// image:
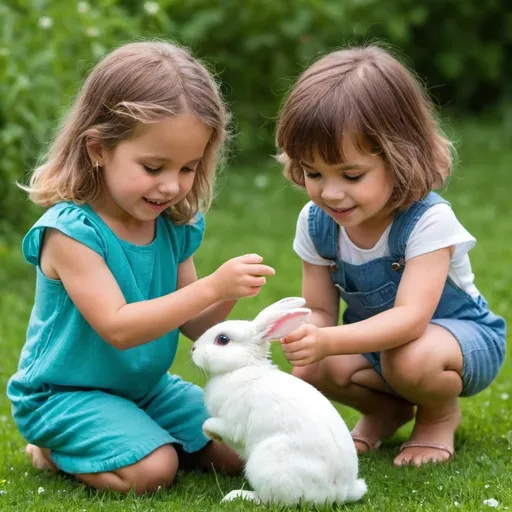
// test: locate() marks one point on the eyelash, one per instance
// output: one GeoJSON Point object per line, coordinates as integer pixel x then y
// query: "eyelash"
{"type": "Point", "coordinates": [314, 175]}
{"type": "Point", "coordinates": [151, 170]}
{"type": "Point", "coordinates": [353, 178]}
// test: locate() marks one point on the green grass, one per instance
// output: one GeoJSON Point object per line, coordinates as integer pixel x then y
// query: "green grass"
{"type": "Point", "coordinates": [256, 211]}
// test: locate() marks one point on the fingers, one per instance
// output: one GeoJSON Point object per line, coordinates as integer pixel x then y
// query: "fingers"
{"type": "Point", "coordinates": [299, 357]}
{"type": "Point", "coordinates": [303, 361]}
{"type": "Point", "coordinates": [290, 348]}
{"type": "Point", "coordinates": [256, 281]}
{"type": "Point", "coordinates": [295, 335]}
{"type": "Point", "coordinates": [261, 270]}
{"type": "Point", "coordinates": [250, 258]}
{"type": "Point", "coordinates": [256, 269]}
{"type": "Point", "coordinates": [242, 276]}
{"type": "Point", "coordinates": [254, 291]}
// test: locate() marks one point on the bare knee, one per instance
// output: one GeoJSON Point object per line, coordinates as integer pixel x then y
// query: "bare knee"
{"type": "Point", "coordinates": [309, 373]}
{"type": "Point", "coordinates": [404, 367]}
{"type": "Point", "coordinates": [416, 366]}
{"type": "Point", "coordinates": [217, 456]}
{"type": "Point", "coordinates": [332, 372]}
{"type": "Point", "coordinates": [158, 469]}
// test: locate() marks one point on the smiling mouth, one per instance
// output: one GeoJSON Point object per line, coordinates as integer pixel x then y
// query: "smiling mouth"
{"type": "Point", "coordinates": [156, 202]}
{"type": "Point", "coordinates": [341, 210]}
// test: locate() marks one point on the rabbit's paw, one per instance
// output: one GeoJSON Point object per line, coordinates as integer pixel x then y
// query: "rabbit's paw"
{"type": "Point", "coordinates": [212, 436]}
{"type": "Point", "coordinates": [210, 429]}
{"type": "Point", "coordinates": [240, 494]}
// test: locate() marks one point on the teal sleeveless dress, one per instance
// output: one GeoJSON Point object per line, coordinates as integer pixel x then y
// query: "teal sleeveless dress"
{"type": "Point", "coordinates": [95, 407]}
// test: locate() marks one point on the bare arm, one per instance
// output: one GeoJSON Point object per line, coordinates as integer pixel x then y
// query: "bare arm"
{"type": "Point", "coordinates": [321, 295]}
{"type": "Point", "coordinates": [214, 314]}
{"type": "Point", "coordinates": [96, 294]}
{"type": "Point", "coordinates": [418, 295]}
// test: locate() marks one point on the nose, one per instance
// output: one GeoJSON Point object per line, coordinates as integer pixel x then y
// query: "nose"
{"type": "Point", "coordinates": [333, 193]}
{"type": "Point", "coordinates": [170, 184]}
{"type": "Point", "coordinates": [193, 348]}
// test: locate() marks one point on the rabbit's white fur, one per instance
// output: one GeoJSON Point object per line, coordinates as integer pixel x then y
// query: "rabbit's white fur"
{"type": "Point", "coordinates": [296, 446]}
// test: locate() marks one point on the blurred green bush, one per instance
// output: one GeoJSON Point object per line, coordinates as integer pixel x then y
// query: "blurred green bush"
{"type": "Point", "coordinates": [256, 47]}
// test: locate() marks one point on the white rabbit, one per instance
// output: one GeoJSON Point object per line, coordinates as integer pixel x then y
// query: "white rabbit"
{"type": "Point", "coordinates": [296, 446]}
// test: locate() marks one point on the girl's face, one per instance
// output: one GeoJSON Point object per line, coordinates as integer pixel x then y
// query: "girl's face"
{"type": "Point", "coordinates": [155, 168]}
{"type": "Point", "coordinates": [355, 193]}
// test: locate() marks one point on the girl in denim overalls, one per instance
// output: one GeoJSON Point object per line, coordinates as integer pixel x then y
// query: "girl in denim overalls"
{"type": "Point", "coordinates": [358, 133]}
{"type": "Point", "coordinates": [116, 280]}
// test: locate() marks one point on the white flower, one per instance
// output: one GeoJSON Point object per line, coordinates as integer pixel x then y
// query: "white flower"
{"type": "Point", "coordinates": [261, 181]}
{"type": "Point", "coordinates": [2, 492]}
{"type": "Point", "coordinates": [456, 504]}
{"type": "Point", "coordinates": [491, 503]}
{"type": "Point", "coordinates": [504, 396]}
{"type": "Point", "coordinates": [83, 7]}
{"type": "Point", "coordinates": [40, 490]}
{"type": "Point", "coordinates": [486, 486]}
{"type": "Point", "coordinates": [151, 8]}
{"type": "Point", "coordinates": [92, 32]}
{"type": "Point", "coordinates": [45, 22]}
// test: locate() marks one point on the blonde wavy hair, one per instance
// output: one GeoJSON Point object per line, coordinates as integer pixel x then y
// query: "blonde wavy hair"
{"type": "Point", "coordinates": [141, 82]}
{"type": "Point", "coordinates": [366, 93]}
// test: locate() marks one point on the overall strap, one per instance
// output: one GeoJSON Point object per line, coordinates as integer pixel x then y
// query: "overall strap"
{"type": "Point", "coordinates": [405, 221]}
{"type": "Point", "coordinates": [323, 232]}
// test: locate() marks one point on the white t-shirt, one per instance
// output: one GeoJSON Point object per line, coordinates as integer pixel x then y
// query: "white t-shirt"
{"type": "Point", "coordinates": [437, 228]}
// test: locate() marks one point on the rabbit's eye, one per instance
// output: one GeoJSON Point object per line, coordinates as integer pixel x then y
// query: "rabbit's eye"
{"type": "Point", "coordinates": [222, 339]}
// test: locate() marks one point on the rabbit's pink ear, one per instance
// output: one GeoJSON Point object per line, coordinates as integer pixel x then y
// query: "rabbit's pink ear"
{"type": "Point", "coordinates": [284, 324]}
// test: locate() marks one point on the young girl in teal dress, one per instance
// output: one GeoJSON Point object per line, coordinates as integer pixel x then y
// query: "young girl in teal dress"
{"type": "Point", "coordinates": [124, 183]}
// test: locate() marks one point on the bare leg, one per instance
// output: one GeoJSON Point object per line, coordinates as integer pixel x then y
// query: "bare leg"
{"type": "Point", "coordinates": [158, 469]}
{"type": "Point", "coordinates": [41, 458]}
{"type": "Point", "coordinates": [351, 380]}
{"type": "Point", "coordinates": [215, 456]}
{"type": "Point", "coordinates": [431, 379]}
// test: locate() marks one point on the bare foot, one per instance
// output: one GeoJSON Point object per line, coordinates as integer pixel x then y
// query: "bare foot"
{"type": "Point", "coordinates": [372, 428]}
{"type": "Point", "coordinates": [432, 437]}
{"type": "Point", "coordinates": [40, 457]}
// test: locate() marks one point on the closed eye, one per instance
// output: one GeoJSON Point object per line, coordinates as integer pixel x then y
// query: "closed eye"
{"type": "Point", "coordinates": [187, 170]}
{"type": "Point", "coordinates": [310, 174]}
{"type": "Point", "coordinates": [152, 170]}
{"type": "Point", "coordinates": [349, 177]}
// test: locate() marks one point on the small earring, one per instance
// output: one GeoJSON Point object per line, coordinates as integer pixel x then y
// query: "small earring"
{"type": "Point", "coordinates": [97, 166]}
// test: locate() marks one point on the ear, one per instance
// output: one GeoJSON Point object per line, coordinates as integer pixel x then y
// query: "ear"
{"type": "Point", "coordinates": [281, 324]}
{"type": "Point", "coordinates": [280, 307]}
{"type": "Point", "coordinates": [94, 146]}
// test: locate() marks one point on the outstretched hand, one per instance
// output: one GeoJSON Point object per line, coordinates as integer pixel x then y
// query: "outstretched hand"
{"type": "Point", "coordinates": [240, 277]}
{"type": "Point", "coordinates": [305, 345]}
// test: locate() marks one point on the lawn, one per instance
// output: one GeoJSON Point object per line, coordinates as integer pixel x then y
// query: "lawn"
{"type": "Point", "coordinates": [255, 211]}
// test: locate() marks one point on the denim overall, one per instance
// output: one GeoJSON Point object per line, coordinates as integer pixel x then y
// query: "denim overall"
{"type": "Point", "coordinates": [371, 288]}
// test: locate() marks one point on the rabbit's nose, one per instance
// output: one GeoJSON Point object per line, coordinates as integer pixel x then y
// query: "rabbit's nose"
{"type": "Point", "coordinates": [193, 348]}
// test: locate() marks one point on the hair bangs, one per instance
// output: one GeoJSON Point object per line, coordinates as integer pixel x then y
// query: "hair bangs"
{"type": "Point", "coordinates": [318, 128]}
